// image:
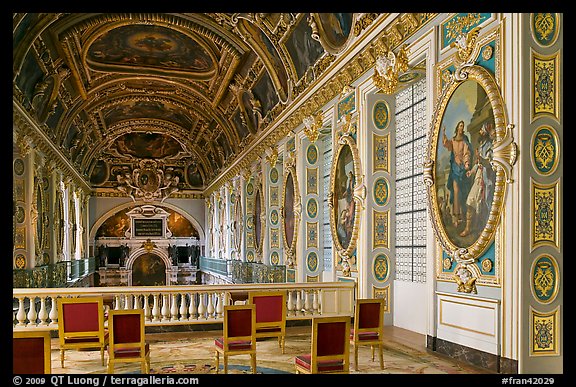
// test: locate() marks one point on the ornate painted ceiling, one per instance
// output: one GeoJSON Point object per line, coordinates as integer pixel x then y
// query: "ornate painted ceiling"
{"type": "Point", "coordinates": [181, 94]}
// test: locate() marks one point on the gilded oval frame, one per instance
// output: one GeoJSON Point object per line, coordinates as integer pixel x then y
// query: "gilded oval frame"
{"type": "Point", "coordinates": [259, 219]}
{"type": "Point", "coordinates": [471, 252]}
{"type": "Point", "coordinates": [290, 249]}
{"type": "Point", "coordinates": [345, 141]}
{"type": "Point", "coordinates": [238, 231]}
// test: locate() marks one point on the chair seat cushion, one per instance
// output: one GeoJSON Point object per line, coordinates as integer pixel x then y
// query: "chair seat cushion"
{"type": "Point", "coordinates": [86, 339]}
{"type": "Point", "coordinates": [234, 345]}
{"type": "Point", "coordinates": [268, 330]}
{"type": "Point", "coordinates": [364, 335]}
{"type": "Point", "coordinates": [131, 352]}
{"type": "Point", "coordinates": [305, 361]}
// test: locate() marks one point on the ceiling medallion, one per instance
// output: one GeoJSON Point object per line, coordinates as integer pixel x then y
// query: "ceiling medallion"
{"type": "Point", "coordinates": [388, 67]}
{"type": "Point", "coordinates": [148, 182]}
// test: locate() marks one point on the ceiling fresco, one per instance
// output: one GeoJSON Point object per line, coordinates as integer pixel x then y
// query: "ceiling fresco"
{"type": "Point", "coordinates": [184, 94]}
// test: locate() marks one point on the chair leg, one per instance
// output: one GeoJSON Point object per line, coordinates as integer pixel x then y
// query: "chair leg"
{"type": "Point", "coordinates": [356, 357]}
{"type": "Point", "coordinates": [102, 355]}
{"type": "Point", "coordinates": [225, 364]}
{"type": "Point", "coordinates": [217, 358]}
{"type": "Point", "coordinates": [372, 348]}
{"type": "Point", "coordinates": [381, 356]}
{"type": "Point", "coordinates": [282, 341]}
{"type": "Point", "coordinates": [253, 359]}
{"type": "Point", "coordinates": [110, 366]}
{"type": "Point", "coordinates": [62, 358]}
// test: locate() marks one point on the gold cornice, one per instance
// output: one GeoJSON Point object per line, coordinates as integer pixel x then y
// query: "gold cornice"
{"type": "Point", "coordinates": [292, 116]}
{"type": "Point", "coordinates": [24, 125]}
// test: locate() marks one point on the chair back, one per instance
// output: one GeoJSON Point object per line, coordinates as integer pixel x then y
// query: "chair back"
{"type": "Point", "coordinates": [330, 344]}
{"type": "Point", "coordinates": [270, 308]}
{"type": "Point", "coordinates": [31, 352]}
{"type": "Point", "coordinates": [80, 317]}
{"type": "Point", "coordinates": [369, 316]}
{"type": "Point", "coordinates": [127, 329]}
{"type": "Point", "coordinates": [239, 325]}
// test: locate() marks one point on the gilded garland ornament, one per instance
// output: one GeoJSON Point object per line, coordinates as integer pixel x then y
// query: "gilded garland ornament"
{"type": "Point", "coordinates": [469, 159]}
{"type": "Point", "coordinates": [290, 211]}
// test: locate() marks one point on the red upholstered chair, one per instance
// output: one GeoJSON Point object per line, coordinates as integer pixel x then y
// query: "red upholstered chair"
{"type": "Point", "coordinates": [270, 314]}
{"type": "Point", "coordinates": [81, 324]}
{"type": "Point", "coordinates": [330, 351]}
{"type": "Point", "coordinates": [31, 352]}
{"type": "Point", "coordinates": [368, 327]}
{"type": "Point", "coordinates": [239, 327]}
{"type": "Point", "coordinates": [128, 339]}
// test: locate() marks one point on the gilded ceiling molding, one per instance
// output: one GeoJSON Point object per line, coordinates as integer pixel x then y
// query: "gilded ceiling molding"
{"type": "Point", "coordinates": [363, 60]}
{"type": "Point", "coordinates": [27, 128]}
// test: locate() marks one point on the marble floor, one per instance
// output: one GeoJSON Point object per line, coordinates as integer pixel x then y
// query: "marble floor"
{"type": "Point", "coordinates": [192, 352]}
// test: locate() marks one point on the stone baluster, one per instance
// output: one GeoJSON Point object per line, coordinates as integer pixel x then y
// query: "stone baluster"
{"type": "Point", "coordinates": [201, 306]}
{"type": "Point", "coordinates": [307, 302]}
{"type": "Point", "coordinates": [183, 308]}
{"type": "Point", "coordinates": [165, 307]}
{"type": "Point", "coordinates": [136, 303]}
{"type": "Point", "coordinates": [221, 298]}
{"type": "Point", "coordinates": [117, 302]}
{"type": "Point", "coordinates": [156, 309]}
{"type": "Point", "coordinates": [147, 312]}
{"type": "Point", "coordinates": [43, 314]}
{"type": "Point", "coordinates": [32, 311]}
{"type": "Point", "coordinates": [174, 308]}
{"type": "Point", "coordinates": [290, 302]}
{"type": "Point", "coordinates": [192, 310]}
{"type": "Point", "coordinates": [210, 307]}
{"type": "Point", "coordinates": [53, 311]}
{"type": "Point", "coordinates": [21, 315]}
{"type": "Point", "coordinates": [298, 310]}
{"type": "Point", "coordinates": [315, 306]}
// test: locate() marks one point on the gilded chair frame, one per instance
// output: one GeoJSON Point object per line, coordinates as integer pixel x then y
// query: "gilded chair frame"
{"type": "Point", "coordinates": [229, 341]}
{"type": "Point", "coordinates": [317, 359]}
{"type": "Point", "coordinates": [82, 339]}
{"type": "Point", "coordinates": [372, 335]}
{"type": "Point", "coordinates": [275, 328]}
{"type": "Point", "coordinates": [138, 347]}
{"type": "Point", "coordinates": [47, 350]}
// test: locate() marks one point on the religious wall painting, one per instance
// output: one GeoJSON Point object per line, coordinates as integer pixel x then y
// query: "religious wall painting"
{"type": "Point", "coordinates": [545, 150]}
{"type": "Point", "coordinates": [159, 50]}
{"type": "Point", "coordinates": [267, 51]}
{"type": "Point", "coordinates": [148, 270]}
{"type": "Point", "coordinates": [290, 218]}
{"type": "Point", "coordinates": [240, 124]}
{"type": "Point", "coordinates": [302, 48]}
{"type": "Point", "coordinates": [100, 173]}
{"type": "Point", "coordinates": [257, 219]}
{"type": "Point", "coordinates": [381, 156]}
{"type": "Point", "coordinates": [180, 226]}
{"type": "Point", "coordinates": [194, 176]}
{"type": "Point", "coordinates": [115, 226]}
{"type": "Point", "coordinates": [545, 281]}
{"type": "Point", "coordinates": [29, 76]}
{"type": "Point", "coordinates": [545, 215]}
{"type": "Point", "coordinates": [265, 92]}
{"type": "Point", "coordinates": [545, 28]}
{"type": "Point", "coordinates": [251, 111]}
{"type": "Point", "coordinates": [40, 216]}
{"type": "Point", "coordinates": [160, 109]}
{"type": "Point", "coordinates": [544, 332]}
{"type": "Point", "coordinates": [146, 145]}
{"type": "Point", "coordinates": [237, 223]}
{"type": "Point", "coordinates": [545, 90]}
{"type": "Point", "coordinates": [332, 30]}
{"type": "Point", "coordinates": [470, 158]}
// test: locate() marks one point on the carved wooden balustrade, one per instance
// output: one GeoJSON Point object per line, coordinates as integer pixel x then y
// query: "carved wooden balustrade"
{"type": "Point", "coordinates": [178, 305]}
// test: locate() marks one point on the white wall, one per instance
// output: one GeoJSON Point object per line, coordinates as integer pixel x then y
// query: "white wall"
{"type": "Point", "coordinates": [409, 308]}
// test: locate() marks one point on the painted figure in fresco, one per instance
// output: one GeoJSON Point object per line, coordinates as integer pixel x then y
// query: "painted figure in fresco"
{"type": "Point", "coordinates": [460, 162]}
{"type": "Point", "coordinates": [482, 190]}
{"type": "Point", "coordinates": [342, 229]}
